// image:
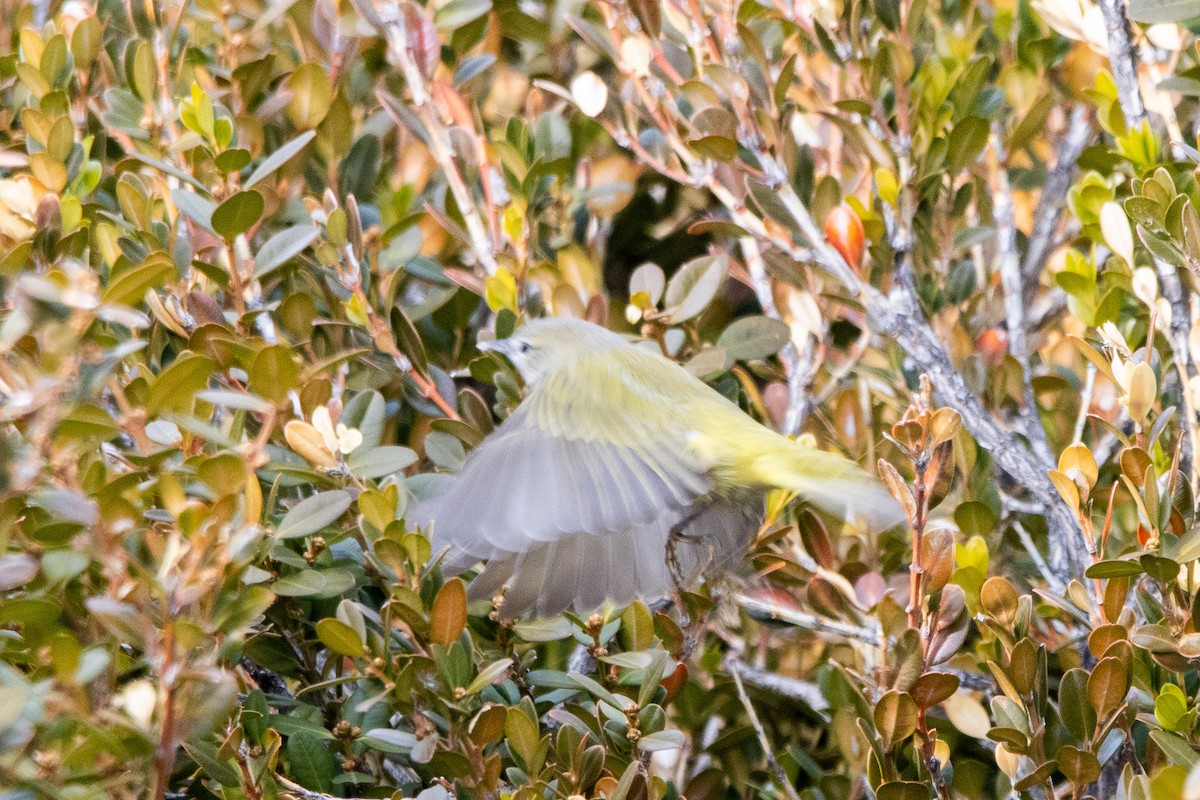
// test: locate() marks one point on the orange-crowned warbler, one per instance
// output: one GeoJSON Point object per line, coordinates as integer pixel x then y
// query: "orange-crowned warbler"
{"type": "Point", "coordinates": [619, 475]}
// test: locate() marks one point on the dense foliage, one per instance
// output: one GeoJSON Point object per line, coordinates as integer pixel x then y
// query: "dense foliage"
{"type": "Point", "coordinates": [247, 250]}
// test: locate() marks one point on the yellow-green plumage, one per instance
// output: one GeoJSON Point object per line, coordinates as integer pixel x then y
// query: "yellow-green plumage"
{"type": "Point", "coordinates": [572, 500]}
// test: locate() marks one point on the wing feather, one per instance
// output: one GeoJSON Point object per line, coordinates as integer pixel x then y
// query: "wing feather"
{"type": "Point", "coordinates": [546, 474]}
{"type": "Point", "coordinates": [572, 499]}
{"type": "Point", "coordinates": [615, 566]}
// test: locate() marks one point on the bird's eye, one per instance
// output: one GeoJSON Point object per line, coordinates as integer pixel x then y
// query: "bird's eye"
{"type": "Point", "coordinates": [524, 347]}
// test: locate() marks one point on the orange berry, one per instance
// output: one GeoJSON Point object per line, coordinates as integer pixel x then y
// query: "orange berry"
{"type": "Point", "coordinates": [844, 230]}
{"type": "Point", "coordinates": [992, 346]}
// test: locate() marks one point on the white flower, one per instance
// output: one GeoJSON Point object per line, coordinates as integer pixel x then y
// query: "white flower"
{"type": "Point", "coordinates": [337, 440]}
{"type": "Point", "coordinates": [589, 93]}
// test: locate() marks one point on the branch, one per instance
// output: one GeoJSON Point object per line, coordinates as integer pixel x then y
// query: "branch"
{"type": "Point", "coordinates": [810, 622]}
{"type": "Point", "coordinates": [789, 688]}
{"type": "Point", "coordinates": [797, 361]}
{"type": "Point", "coordinates": [897, 315]}
{"type": "Point", "coordinates": [393, 27]}
{"type": "Point", "coordinates": [1011, 283]}
{"type": "Point", "coordinates": [781, 777]}
{"type": "Point", "coordinates": [1178, 336]}
{"type": "Point", "coordinates": [294, 791]}
{"type": "Point", "coordinates": [1052, 200]}
{"type": "Point", "coordinates": [1122, 57]}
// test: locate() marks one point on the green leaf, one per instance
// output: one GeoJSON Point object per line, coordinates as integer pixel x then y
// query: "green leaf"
{"type": "Point", "coordinates": [194, 207]}
{"type": "Point", "coordinates": [311, 96]}
{"type": "Point", "coordinates": [387, 740]}
{"type": "Point", "coordinates": [752, 338]}
{"type": "Point", "coordinates": [238, 214]}
{"type": "Point", "coordinates": [694, 286]}
{"type": "Point", "coordinates": [598, 691]}
{"type": "Point", "coordinates": [367, 413]}
{"type": "Point", "coordinates": [283, 247]}
{"type": "Point", "coordinates": [274, 372]}
{"type": "Point", "coordinates": [315, 583]}
{"type": "Point", "coordinates": [312, 764]}
{"type": "Point", "coordinates": [488, 676]}
{"type": "Point", "coordinates": [176, 385]}
{"type": "Point", "coordinates": [544, 630]}
{"type": "Point", "coordinates": [278, 158]}
{"type": "Point", "coordinates": [379, 462]}
{"type": "Point", "coordinates": [662, 740]}
{"type": "Point", "coordinates": [637, 627]}
{"type": "Point", "coordinates": [209, 759]}
{"type": "Point", "coordinates": [1151, 12]}
{"type": "Point", "coordinates": [1189, 87]}
{"type": "Point", "coordinates": [1114, 568]}
{"type": "Point", "coordinates": [340, 638]}
{"type": "Point", "coordinates": [313, 514]}
{"type": "Point", "coordinates": [1176, 748]}
{"type": "Point", "coordinates": [895, 718]}
{"type": "Point", "coordinates": [522, 734]}
{"type": "Point", "coordinates": [130, 286]}
{"type": "Point", "coordinates": [239, 401]}
{"type": "Point", "coordinates": [458, 13]}
{"type": "Point", "coordinates": [966, 142]}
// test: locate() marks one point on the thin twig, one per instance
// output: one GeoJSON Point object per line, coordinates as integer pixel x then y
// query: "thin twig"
{"type": "Point", "coordinates": [1051, 202]}
{"type": "Point", "coordinates": [1027, 542]}
{"type": "Point", "coordinates": [295, 790]}
{"type": "Point", "coordinates": [394, 29]}
{"type": "Point", "coordinates": [789, 688]}
{"type": "Point", "coordinates": [1085, 402]}
{"type": "Point", "coordinates": [777, 770]}
{"type": "Point", "coordinates": [797, 359]}
{"type": "Point", "coordinates": [1178, 335]}
{"type": "Point", "coordinates": [810, 622]}
{"type": "Point", "coordinates": [1009, 267]}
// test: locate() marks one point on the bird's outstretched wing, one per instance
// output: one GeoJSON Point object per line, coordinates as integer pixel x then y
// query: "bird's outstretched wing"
{"type": "Point", "coordinates": [572, 491]}
{"type": "Point", "coordinates": [581, 571]}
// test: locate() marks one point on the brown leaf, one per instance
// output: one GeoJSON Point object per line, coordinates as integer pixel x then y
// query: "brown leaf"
{"type": "Point", "coordinates": [932, 688]}
{"type": "Point", "coordinates": [943, 426]}
{"type": "Point", "coordinates": [937, 558]}
{"type": "Point", "coordinates": [449, 615]}
{"type": "Point", "coordinates": [895, 718]}
{"type": "Point", "coordinates": [421, 37]}
{"type": "Point", "coordinates": [898, 488]}
{"type": "Point", "coordinates": [306, 442]}
{"type": "Point", "coordinates": [1107, 685]}
{"type": "Point", "coordinates": [999, 600]}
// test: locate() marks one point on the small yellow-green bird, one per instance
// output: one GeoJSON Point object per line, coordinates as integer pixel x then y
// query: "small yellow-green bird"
{"type": "Point", "coordinates": [620, 475]}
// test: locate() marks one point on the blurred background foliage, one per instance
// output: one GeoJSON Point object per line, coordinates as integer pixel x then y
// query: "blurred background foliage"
{"type": "Point", "coordinates": [247, 249]}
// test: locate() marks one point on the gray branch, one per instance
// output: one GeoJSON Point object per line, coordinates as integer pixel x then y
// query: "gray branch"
{"type": "Point", "coordinates": [1122, 57]}
{"type": "Point", "coordinates": [899, 317]}
{"type": "Point", "coordinates": [1048, 214]}
{"type": "Point", "coordinates": [794, 689]}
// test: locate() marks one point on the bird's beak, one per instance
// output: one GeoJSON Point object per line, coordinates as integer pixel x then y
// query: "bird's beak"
{"type": "Point", "coordinates": [501, 346]}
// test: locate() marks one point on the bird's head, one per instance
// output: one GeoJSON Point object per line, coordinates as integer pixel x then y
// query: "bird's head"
{"type": "Point", "coordinates": [541, 347]}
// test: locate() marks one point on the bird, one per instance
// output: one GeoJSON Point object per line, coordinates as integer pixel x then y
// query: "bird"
{"type": "Point", "coordinates": [618, 476]}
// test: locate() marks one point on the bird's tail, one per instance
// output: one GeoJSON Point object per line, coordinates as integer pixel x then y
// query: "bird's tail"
{"type": "Point", "coordinates": [828, 481]}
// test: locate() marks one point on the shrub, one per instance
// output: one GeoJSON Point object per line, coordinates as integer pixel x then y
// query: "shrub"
{"type": "Point", "coordinates": [246, 253]}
